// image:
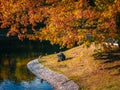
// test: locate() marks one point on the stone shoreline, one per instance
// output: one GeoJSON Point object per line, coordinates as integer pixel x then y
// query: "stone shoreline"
{"type": "Point", "coordinates": [58, 81]}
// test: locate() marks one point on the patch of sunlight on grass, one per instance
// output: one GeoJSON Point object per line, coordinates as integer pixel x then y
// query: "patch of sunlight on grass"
{"type": "Point", "coordinates": [112, 86]}
{"type": "Point", "coordinates": [81, 67]}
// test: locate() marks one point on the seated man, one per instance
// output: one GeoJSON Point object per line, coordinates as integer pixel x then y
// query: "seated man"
{"type": "Point", "coordinates": [61, 57]}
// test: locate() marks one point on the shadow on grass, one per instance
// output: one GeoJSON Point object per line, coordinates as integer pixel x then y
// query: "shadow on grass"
{"type": "Point", "coordinates": [69, 58]}
{"type": "Point", "coordinates": [113, 67]}
{"type": "Point", "coordinates": [117, 74]}
{"type": "Point", "coordinates": [108, 57]}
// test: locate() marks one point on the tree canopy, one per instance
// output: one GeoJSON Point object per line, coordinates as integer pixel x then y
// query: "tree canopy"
{"type": "Point", "coordinates": [63, 22]}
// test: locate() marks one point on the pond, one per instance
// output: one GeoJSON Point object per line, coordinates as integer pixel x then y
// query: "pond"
{"type": "Point", "coordinates": [14, 75]}
{"type": "Point", "coordinates": [14, 56]}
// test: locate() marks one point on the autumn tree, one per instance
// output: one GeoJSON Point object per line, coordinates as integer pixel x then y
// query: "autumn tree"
{"type": "Point", "coordinates": [21, 16]}
{"type": "Point", "coordinates": [66, 22]}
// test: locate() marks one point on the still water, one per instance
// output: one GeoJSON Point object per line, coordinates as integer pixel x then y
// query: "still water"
{"type": "Point", "coordinates": [14, 75]}
{"type": "Point", "coordinates": [14, 56]}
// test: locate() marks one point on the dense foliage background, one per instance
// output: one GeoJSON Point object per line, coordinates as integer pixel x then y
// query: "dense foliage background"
{"type": "Point", "coordinates": [63, 22]}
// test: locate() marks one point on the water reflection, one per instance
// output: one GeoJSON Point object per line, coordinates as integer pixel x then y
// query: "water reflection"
{"type": "Point", "coordinates": [14, 69]}
{"type": "Point", "coordinates": [35, 84]}
{"type": "Point", "coordinates": [14, 74]}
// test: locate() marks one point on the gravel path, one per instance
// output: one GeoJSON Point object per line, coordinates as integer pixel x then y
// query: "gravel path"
{"type": "Point", "coordinates": [58, 81]}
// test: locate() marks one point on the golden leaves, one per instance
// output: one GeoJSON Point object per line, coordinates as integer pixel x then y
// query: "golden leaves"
{"type": "Point", "coordinates": [65, 23]}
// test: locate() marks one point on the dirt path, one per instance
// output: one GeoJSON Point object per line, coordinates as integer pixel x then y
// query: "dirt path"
{"type": "Point", "coordinates": [58, 81]}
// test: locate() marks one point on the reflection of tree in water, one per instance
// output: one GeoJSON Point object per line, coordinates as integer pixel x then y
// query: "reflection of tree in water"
{"type": "Point", "coordinates": [14, 69]}
{"type": "Point", "coordinates": [14, 55]}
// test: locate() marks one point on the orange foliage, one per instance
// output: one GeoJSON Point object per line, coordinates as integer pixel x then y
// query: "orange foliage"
{"type": "Point", "coordinates": [66, 21]}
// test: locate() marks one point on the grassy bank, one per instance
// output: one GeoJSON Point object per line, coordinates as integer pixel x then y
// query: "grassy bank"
{"type": "Point", "coordinates": [88, 72]}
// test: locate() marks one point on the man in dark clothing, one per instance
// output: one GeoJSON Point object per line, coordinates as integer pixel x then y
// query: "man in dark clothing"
{"type": "Point", "coordinates": [61, 57]}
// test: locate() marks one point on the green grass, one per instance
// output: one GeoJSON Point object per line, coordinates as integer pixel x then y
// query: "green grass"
{"type": "Point", "coordinates": [89, 73]}
{"type": "Point", "coordinates": [113, 86]}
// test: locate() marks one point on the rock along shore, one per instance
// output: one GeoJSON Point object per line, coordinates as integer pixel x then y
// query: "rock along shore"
{"type": "Point", "coordinates": [58, 81]}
